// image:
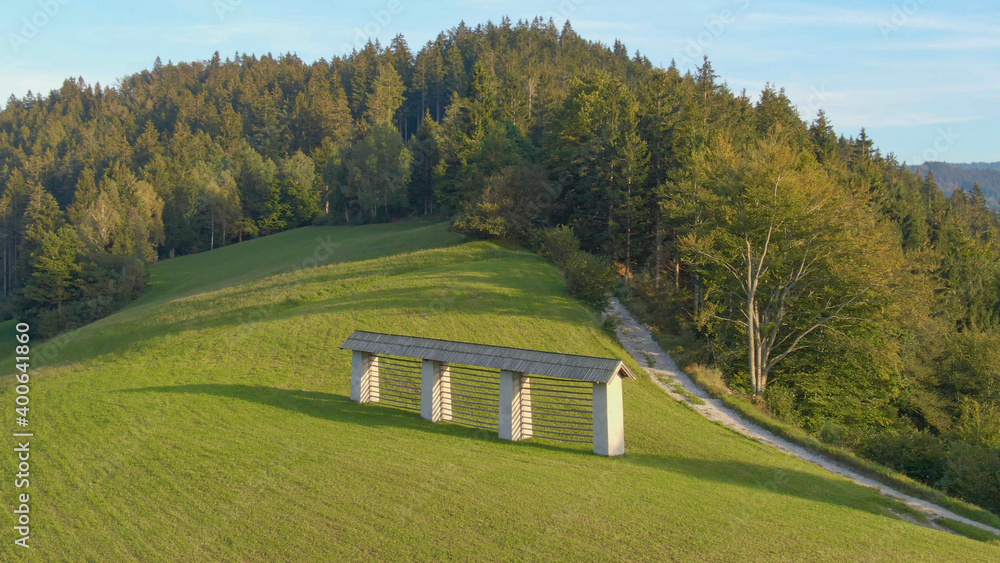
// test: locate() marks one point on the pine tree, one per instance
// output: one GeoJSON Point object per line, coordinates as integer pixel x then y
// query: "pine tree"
{"type": "Point", "coordinates": [377, 170]}
{"type": "Point", "coordinates": [53, 270]}
{"type": "Point", "coordinates": [255, 180]}
{"type": "Point", "coordinates": [298, 196]}
{"type": "Point", "coordinates": [385, 97]}
{"type": "Point", "coordinates": [596, 148]}
{"type": "Point", "coordinates": [13, 206]}
{"type": "Point", "coordinates": [823, 138]}
{"type": "Point", "coordinates": [426, 158]}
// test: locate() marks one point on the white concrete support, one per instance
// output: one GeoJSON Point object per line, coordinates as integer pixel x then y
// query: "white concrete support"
{"type": "Point", "coordinates": [445, 391]}
{"type": "Point", "coordinates": [527, 431]}
{"type": "Point", "coordinates": [364, 378]}
{"type": "Point", "coordinates": [514, 387]}
{"type": "Point", "coordinates": [507, 386]}
{"type": "Point", "coordinates": [609, 419]}
{"type": "Point", "coordinates": [431, 391]}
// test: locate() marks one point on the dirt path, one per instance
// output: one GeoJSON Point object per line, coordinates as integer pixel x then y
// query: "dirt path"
{"type": "Point", "coordinates": [638, 341]}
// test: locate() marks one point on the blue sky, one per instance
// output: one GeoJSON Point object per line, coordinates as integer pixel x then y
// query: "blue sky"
{"type": "Point", "coordinates": [923, 76]}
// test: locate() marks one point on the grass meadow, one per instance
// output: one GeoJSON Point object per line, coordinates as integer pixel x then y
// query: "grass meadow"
{"type": "Point", "coordinates": [210, 420]}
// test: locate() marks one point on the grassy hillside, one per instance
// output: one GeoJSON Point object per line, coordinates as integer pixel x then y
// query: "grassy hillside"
{"type": "Point", "coordinates": [211, 420]}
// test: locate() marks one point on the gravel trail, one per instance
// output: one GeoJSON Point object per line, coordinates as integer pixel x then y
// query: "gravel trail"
{"type": "Point", "coordinates": [638, 341]}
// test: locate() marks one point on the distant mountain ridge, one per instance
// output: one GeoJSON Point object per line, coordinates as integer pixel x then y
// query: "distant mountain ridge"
{"type": "Point", "coordinates": [952, 176]}
{"type": "Point", "coordinates": [977, 165]}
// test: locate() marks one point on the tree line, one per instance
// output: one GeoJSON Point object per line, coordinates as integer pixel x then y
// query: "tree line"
{"type": "Point", "coordinates": [843, 290]}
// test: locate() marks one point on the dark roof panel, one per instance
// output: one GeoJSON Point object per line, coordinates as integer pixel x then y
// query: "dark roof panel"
{"type": "Point", "coordinates": [567, 366]}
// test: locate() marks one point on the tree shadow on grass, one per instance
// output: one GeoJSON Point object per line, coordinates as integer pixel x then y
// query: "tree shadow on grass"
{"type": "Point", "coordinates": [186, 274]}
{"type": "Point", "coordinates": [770, 479]}
{"type": "Point", "coordinates": [429, 295]}
{"type": "Point", "coordinates": [318, 404]}
{"type": "Point", "coordinates": [475, 283]}
{"type": "Point", "coordinates": [352, 245]}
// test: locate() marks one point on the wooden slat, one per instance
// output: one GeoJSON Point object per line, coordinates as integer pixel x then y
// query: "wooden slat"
{"type": "Point", "coordinates": [472, 411]}
{"type": "Point", "coordinates": [468, 401]}
{"type": "Point", "coordinates": [401, 404]}
{"type": "Point", "coordinates": [561, 400]}
{"type": "Point", "coordinates": [556, 432]}
{"type": "Point", "coordinates": [557, 417]}
{"type": "Point", "coordinates": [579, 389]}
{"type": "Point", "coordinates": [492, 390]}
{"type": "Point", "coordinates": [582, 431]}
{"type": "Point", "coordinates": [546, 408]}
{"type": "Point", "coordinates": [579, 440]}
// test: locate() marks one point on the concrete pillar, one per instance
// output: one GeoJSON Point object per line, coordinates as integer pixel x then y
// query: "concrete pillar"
{"type": "Point", "coordinates": [609, 419]}
{"type": "Point", "coordinates": [445, 391]}
{"type": "Point", "coordinates": [506, 428]}
{"type": "Point", "coordinates": [430, 391]}
{"type": "Point", "coordinates": [527, 430]}
{"type": "Point", "coordinates": [364, 378]}
{"type": "Point", "coordinates": [512, 405]}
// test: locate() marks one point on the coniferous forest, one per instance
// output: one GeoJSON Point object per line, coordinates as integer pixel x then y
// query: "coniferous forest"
{"type": "Point", "coordinates": [842, 291]}
{"type": "Point", "coordinates": [984, 176]}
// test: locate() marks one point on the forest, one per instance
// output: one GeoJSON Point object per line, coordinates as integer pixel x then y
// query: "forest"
{"type": "Point", "coordinates": [844, 292]}
{"type": "Point", "coordinates": [951, 177]}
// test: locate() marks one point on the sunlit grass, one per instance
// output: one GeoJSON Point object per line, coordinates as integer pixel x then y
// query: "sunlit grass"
{"type": "Point", "coordinates": [211, 420]}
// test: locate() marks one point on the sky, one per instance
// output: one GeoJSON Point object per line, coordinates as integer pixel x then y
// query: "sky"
{"type": "Point", "coordinates": [922, 76]}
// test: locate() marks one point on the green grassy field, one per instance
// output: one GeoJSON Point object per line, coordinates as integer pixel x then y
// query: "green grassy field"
{"type": "Point", "coordinates": [210, 420]}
